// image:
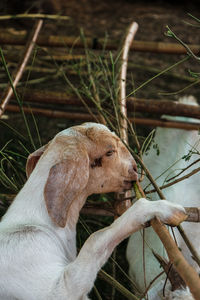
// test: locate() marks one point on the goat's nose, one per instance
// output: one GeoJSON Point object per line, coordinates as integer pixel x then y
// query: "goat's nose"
{"type": "Point", "coordinates": [133, 171]}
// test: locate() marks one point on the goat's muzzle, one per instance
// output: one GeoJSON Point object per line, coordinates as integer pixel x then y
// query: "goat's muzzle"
{"type": "Point", "coordinates": [133, 172]}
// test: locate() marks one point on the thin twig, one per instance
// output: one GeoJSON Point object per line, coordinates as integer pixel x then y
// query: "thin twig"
{"type": "Point", "coordinates": [170, 33]}
{"type": "Point", "coordinates": [92, 81]}
{"type": "Point", "coordinates": [117, 285]}
{"type": "Point", "coordinates": [140, 161]}
{"type": "Point", "coordinates": [182, 90]}
{"type": "Point", "coordinates": [20, 108]}
{"type": "Point", "coordinates": [183, 170]}
{"type": "Point", "coordinates": [175, 181]}
{"type": "Point", "coordinates": [114, 256]}
{"type": "Point", "coordinates": [195, 254]}
{"type": "Point", "coordinates": [34, 16]}
{"type": "Point", "coordinates": [20, 70]}
{"type": "Point", "coordinates": [159, 74]}
{"type": "Point", "coordinates": [150, 284]}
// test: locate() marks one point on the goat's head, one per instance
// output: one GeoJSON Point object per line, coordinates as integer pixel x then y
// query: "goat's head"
{"type": "Point", "coordinates": [82, 160]}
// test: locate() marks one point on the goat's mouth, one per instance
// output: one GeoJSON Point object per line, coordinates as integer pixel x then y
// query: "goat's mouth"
{"type": "Point", "coordinates": [128, 184]}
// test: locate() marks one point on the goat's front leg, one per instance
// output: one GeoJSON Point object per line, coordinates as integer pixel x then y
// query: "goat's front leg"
{"type": "Point", "coordinates": [79, 276]}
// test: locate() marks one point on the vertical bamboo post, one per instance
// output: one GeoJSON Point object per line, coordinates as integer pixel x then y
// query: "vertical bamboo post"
{"type": "Point", "coordinates": [122, 99]}
{"type": "Point", "coordinates": [123, 205]}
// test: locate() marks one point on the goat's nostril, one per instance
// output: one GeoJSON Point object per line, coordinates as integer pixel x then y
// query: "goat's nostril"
{"type": "Point", "coordinates": [135, 167]}
{"type": "Point", "coordinates": [133, 171]}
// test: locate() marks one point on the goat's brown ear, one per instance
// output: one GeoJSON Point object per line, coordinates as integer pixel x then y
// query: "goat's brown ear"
{"type": "Point", "coordinates": [65, 182]}
{"type": "Point", "coordinates": [33, 159]}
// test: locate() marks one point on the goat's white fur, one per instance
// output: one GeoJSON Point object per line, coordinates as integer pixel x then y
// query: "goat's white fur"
{"type": "Point", "coordinates": [38, 257]}
{"type": "Point", "coordinates": [173, 145]}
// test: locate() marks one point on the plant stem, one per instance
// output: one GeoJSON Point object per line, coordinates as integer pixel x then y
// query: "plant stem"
{"type": "Point", "coordinates": [159, 74]}
{"type": "Point", "coordinates": [34, 16]}
{"type": "Point", "coordinates": [117, 285]}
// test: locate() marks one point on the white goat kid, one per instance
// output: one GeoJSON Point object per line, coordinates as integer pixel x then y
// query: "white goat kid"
{"type": "Point", "coordinates": [173, 144]}
{"type": "Point", "coordinates": [38, 233]}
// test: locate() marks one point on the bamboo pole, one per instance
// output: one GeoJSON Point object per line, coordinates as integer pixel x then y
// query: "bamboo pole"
{"type": "Point", "coordinates": [87, 117]}
{"type": "Point", "coordinates": [159, 107]}
{"type": "Point", "coordinates": [165, 123]}
{"type": "Point", "coordinates": [122, 206]}
{"type": "Point", "coordinates": [122, 84]}
{"type": "Point", "coordinates": [94, 43]}
{"type": "Point", "coordinates": [166, 107]}
{"type": "Point", "coordinates": [52, 113]}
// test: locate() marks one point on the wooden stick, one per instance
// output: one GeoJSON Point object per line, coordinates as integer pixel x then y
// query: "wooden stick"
{"type": "Point", "coordinates": [159, 107]}
{"type": "Point", "coordinates": [195, 254]}
{"type": "Point", "coordinates": [176, 181]}
{"type": "Point", "coordinates": [187, 273]}
{"type": "Point", "coordinates": [19, 71]}
{"type": "Point", "coordinates": [193, 213]}
{"type": "Point", "coordinates": [122, 100]}
{"type": "Point", "coordinates": [87, 117]}
{"type": "Point", "coordinates": [34, 16]}
{"type": "Point", "coordinates": [165, 123]}
{"type": "Point", "coordinates": [169, 107]}
{"type": "Point", "coordinates": [63, 41]}
{"type": "Point", "coordinates": [52, 113]}
{"type": "Point", "coordinates": [121, 206]}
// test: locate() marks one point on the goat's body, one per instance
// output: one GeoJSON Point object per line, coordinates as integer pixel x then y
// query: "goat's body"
{"type": "Point", "coordinates": [40, 272]}
{"type": "Point", "coordinates": [185, 192]}
{"type": "Point", "coordinates": [38, 233]}
{"type": "Point", "coordinates": [50, 248]}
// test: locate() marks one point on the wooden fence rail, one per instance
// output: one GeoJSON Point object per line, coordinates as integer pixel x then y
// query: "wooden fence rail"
{"type": "Point", "coordinates": [167, 107]}
{"type": "Point", "coordinates": [95, 43]}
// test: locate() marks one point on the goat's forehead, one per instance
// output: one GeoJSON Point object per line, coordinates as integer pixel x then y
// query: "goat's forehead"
{"type": "Point", "coordinates": [96, 126]}
{"type": "Point", "coordinates": [82, 129]}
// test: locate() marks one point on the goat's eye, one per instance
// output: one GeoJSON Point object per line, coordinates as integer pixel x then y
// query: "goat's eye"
{"type": "Point", "coordinates": [110, 152]}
